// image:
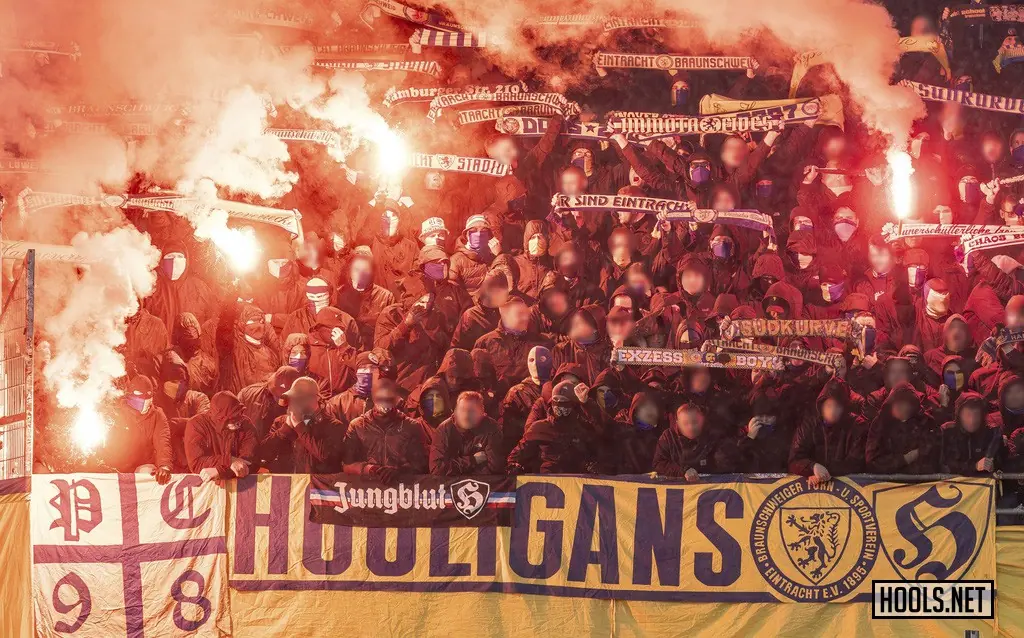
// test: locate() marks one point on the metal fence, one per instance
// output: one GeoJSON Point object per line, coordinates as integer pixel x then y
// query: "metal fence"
{"type": "Point", "coordinates": [16, 372]}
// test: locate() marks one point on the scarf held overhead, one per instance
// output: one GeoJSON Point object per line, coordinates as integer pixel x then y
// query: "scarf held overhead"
{"type": "Point", "coordinates": [914, 44]}
{"type": "Point", "coordinates": [832, 359]}
{"type": "Point", "coordinates": [374, 8]}
{"type": "Point", "coordinates": [671, 63]}
{"type": "Point", "coordinates": [825, 110]}
{"type": "Point", "coordinates": [970, 99]}
{"type": "Point", "coordinates": [431, 67]}
{"type": "Point", "coordinates": [694, 359]}
{"type": "Point", "coordinates": [514, 93]}
{"type": "Point", "coordinates": [458, 164]}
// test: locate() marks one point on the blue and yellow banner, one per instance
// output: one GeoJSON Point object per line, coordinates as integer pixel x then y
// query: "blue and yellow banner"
{"type": "Point", "coordinates": [751, 541]}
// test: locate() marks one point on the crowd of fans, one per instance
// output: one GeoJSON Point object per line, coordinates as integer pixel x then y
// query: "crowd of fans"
{"type": "Point", "coordinates": [459, 325]}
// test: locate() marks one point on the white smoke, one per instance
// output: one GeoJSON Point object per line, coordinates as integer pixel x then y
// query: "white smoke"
{"type": "Point", "coordinates": [90, 326]}
{"type": "Point", "coordinates": [345, 104]}
{"type": "Point", "coordinates": [237, 154]}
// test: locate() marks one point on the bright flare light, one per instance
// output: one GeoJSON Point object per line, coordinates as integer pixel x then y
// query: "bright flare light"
{"type": "Point", "coordinates": [239, 246]}
{"type": "Point", "coordinates": [392, 153]}
{"type": "Point", "coordinates": [901, 168]}
{"type": "Point", "coordinates": [89, 430]}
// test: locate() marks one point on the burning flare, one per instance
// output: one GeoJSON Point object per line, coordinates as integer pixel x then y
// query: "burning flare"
{"type": "Point", "coordinates": [89, 429]}
{"type": "Point", "coordinates": [392, 154]}
{"type": "Point", "coordinates": [900, 189]}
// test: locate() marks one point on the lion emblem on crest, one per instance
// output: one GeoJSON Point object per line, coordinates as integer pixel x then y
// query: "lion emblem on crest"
{"type": "Point", "coordinates": [815, 540]}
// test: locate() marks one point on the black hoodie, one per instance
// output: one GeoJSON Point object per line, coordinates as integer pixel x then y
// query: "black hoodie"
{"type": "Point", "coordinates": [839, 446]}
{"type": "Point", "coordinates": [961, 450]}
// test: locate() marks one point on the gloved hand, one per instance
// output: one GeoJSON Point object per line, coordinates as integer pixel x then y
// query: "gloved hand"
{"type": "Point", "coordinates": [385, 473]}
{"type": "Point", "coordinates": [163, 475]}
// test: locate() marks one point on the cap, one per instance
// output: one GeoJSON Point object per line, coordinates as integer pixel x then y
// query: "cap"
{"type": "Point", "coordinates": [140, 384]}
{"type": "Point", "coordinates": [432, 253]}
{"type": "Point", "coordinates": [283, 377]}
{"type": "Point", "coordinates": [303, 388]}
{"type": "Point", "coordinates": [564, 392]}
{"type": "Point", "coordinates": [432, 225]}
{"type": "Point", "coordinates": [916, 257]}
{"type": "Point", "coordinates": [476, 219]}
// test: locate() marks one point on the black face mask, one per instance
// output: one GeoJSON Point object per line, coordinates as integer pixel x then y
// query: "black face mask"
{"type": "Point", "coordinates": [764, 283]}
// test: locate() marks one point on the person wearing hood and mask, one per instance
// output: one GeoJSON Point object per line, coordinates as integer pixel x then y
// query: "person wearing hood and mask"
{"type": "Point", "coordinates": [355, 400]}
{"type": "Point", "coordinates": [636, 437]}
{"type": "Point", "coordinates": [520, 399]}
{"type": "Point", "coordinates": [418, 330]}
{"type": "Point", "coordinates": [571, 265]}
{"type": "Point", "coordinates": [305, 439]}
{"type": "Point", "coordinates": [221, 443]}
{"type": "Point", "coordinates": [768, 269]}
{"type": "Point", "coordinates": [278, 289]}
{"type": "Point", "coordinates": [473, 257]}
{"type": "Point", "coordinates": [469, 443]}
{"type": "Point", "coordinates": [553, 309]}
{"type": "Point", "coordinates": [903, 438]}
{"type": "Point", "coordinates": [333, 346]}
{"type": "Point", "coordinates": [385, 443]}
{"type": "Point", "coordinates": [484, 315]}
{"type": "Point", "coordinates": [844, 238]}
{"type": "Point", "coordinates": [694, 285]}
{"type": "Point", "coordinates": [264, 402]}
{"type": "Point", "coordinates": [295, 352]}
{"type": "Point", "coordinates": [802, 250]}
{"type": "Point", "coordinates": [970, 446]}
{"type": "Point", "coordinates": [588, 345]}
{"type": "Point", "coordinates": [510, 343]}
{"type": "Point", "coordinates": [686, 449]}
{"type": "Point", "coordinates": [139, 441]}
{"type": "Point", "coordinates": [830, 442]}
{"type": "Point", "coordinates": [824, 301]}
{"type": "Point", "coordinates": [877, 282]}
{"type": "Point", "coordinates": [145, 338]}
{"type": "Point", "coordinates": [178, 402]}
{"type": "Point", "coordinates": [393, 253]}
{"type": "Point", "coordinates": [956, 340]}
{"type": "Point", "coordinates": [694, 185]}
{"type": "Point", "coordinates": [318, 295]}
{"type": "Point", "coordinates": [782, 301]}
{"type": "Point", "coordinates": [187, 341]}
{"type": "Point", "coordinates": [433, 404]}
{"type": "Point", "coordinates": [727, 272]}
{"type": "Point", "coordinates": [1009, 415]}
{"type": "Point", "coordinates": [534, 262]}
{"type": "Point", "coordinates": [360, 297]}
{"type": "Point", "coordinates": [252, 355]}
{"type": "Point", "coordinates": [564, 442]}
{"type": "Point", "coordinates": [178, 290]}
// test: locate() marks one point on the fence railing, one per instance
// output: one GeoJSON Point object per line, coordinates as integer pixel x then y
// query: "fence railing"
{"type": "Point", "coordinates": [16, 371]}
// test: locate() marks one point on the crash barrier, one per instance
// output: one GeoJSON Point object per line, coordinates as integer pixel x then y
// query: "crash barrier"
{"type": "Point", "coordinates": [110, 555]}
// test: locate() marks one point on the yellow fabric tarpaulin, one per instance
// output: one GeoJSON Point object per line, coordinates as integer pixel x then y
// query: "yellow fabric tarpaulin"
{"type": "Point", "coordinates": [613, 557]}
{"type": "Point", "coordinates": [15, 559]}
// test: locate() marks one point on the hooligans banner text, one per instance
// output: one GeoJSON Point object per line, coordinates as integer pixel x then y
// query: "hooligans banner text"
{"type": "Point", "coordinates": [777, 540]}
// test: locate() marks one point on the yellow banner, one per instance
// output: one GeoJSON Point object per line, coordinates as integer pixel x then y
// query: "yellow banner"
{"type": "Point", "coordinates": [15, 559]}
{"type": "Point", "coordinates": [642, 540]}
{"type": "Point", "coordinates": [914, 44]}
